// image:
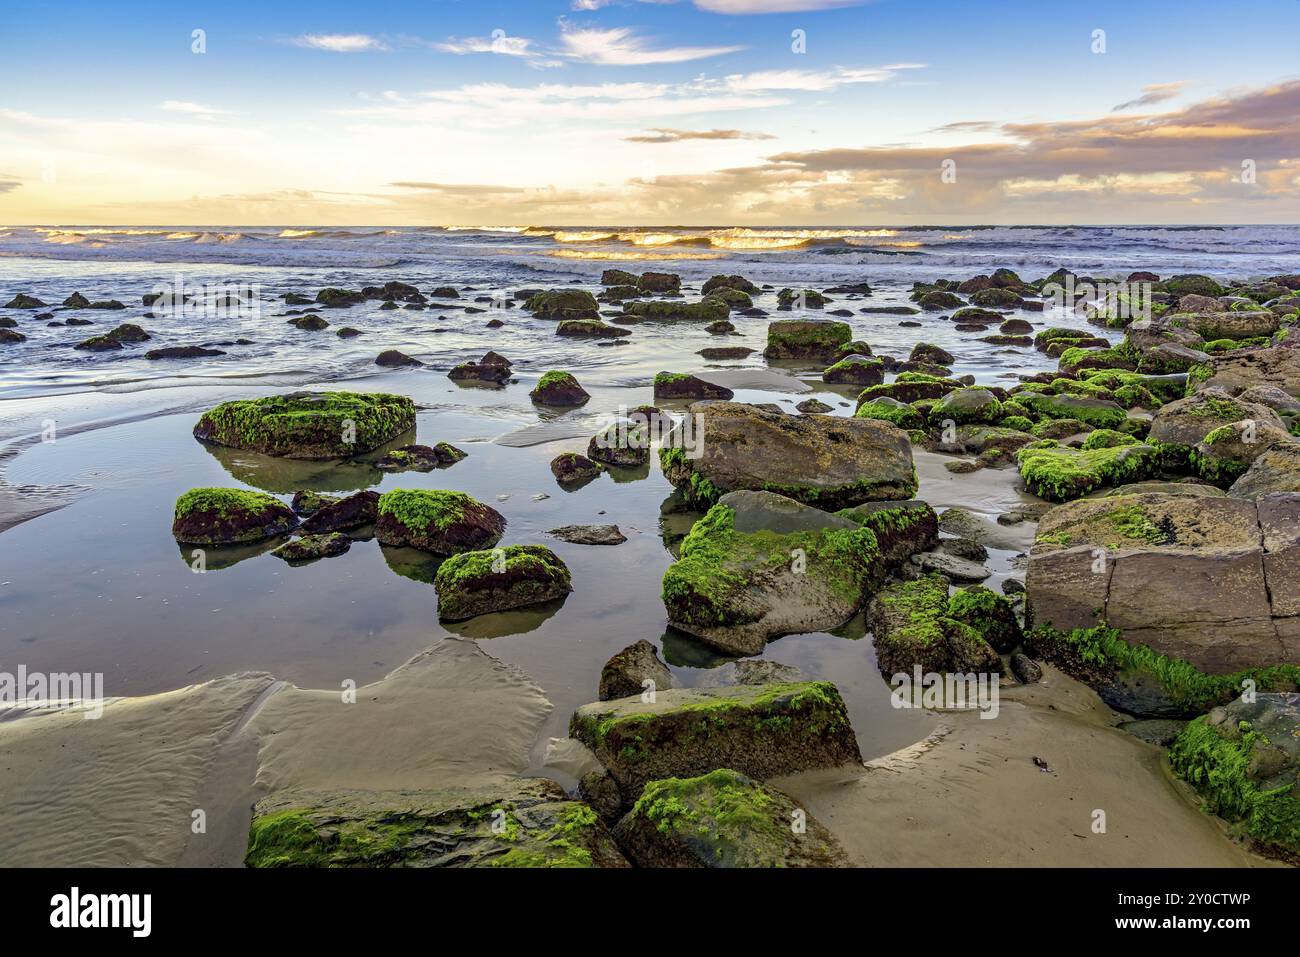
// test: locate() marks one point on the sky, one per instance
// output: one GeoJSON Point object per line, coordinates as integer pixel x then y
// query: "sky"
{"type": "Point", "coordinates": [649, 112]}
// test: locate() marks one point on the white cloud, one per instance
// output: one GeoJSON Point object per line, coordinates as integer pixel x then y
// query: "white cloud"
{"type": "Point", "coordinates": [620, 46]}
{"type": "Point", "coordinates": [340, 42]}
{"type": "Point", "coordinates": [775, 6]}
{"type": "Point", "coordinates": [812, 81]}
{"type": "Point", "coordinates": [499, 44]}
{"type": "Point", "coordinates": [192, 109]}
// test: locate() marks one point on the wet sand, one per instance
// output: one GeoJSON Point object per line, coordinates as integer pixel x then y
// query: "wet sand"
{"type": "Point", "coordinates": [972, 796]}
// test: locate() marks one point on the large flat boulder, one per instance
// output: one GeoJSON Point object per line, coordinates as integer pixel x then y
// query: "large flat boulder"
{"type": "Point", "coordinates": [525, 822]}
{"type": "Point", "coordinates": [825, 461]}
{"type": "Point", "coordinates": [309, 425]}
{"type": "Point", "coordinates": [1279, 367]}
{"type": "Point", "coordinates": [761, 731]}
{"type": "Point", "coordinates": [1194, 578]}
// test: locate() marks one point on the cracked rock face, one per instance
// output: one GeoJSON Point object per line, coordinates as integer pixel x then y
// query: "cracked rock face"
{"type": "Point", "coordinates": [1211, 581]}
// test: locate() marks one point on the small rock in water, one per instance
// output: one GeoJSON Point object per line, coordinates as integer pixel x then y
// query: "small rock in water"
{"type": "Point", "coordinates": [589, 534]}
{"type": "Point", "coordinates": [964, 548]}
{"type": "Point", "coordinates": [311, 547]}
{"type": "Point", "coordinates": [626, 674]}
{"type": "Point", "coordinates": [811, 406]}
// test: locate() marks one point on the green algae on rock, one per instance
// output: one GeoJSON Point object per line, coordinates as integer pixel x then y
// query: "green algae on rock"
{"type": "Point", "coordinates": [722, 819]}
{"type": "Point", "coordinates": [480, 582]}
{"type": "Point", "coordinates": [437, 521]}
{"type": "Point", "coordinates": [558, 388]}
{"type": "Point", "coordinates": [527, 822]}
{"type": "Point", "coordinates": [913, 628]}
{"type": "Point", "coordinates": [759, 565]}
{"type": "Point", "coordinates": [1244, 760]}
{"type": "Point", "coordinates": [229, 516]}
{"type": "Point", "coordinates": [819, 339]}
{"type": "Point", "coordinates": [309, 425]}
{"type": "Point", "coordinates": [1060, 474]}
{"type": "Point", "coordinates": [309, 548]}
{"type": "Point", "coordinates": [761, 731]}
{"type": "Point", "coordinates": [564, 304]}
{"type": "Point", "coordinates": [708, 309]}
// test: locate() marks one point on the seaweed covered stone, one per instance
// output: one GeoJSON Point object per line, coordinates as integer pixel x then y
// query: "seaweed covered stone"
{"type": "Point", "coordinates": [819, 339]}
{"type": "Point", "coordinates": [855, 370]}
{"type": "Point", "coordinates": [1059, 474]}
{"type": "Point", "coordinates": [622, 445]}
{"type": "Point", "coordinates": [481, 582]}
{"type": "Point", "coordinates": [438, 521]}
{"type": "Point", "coordinates": [913, 628]}
{"type": "Point", "coordinates": [722, 819]}
{"type": "Point", "coordinates": [1244, 761]}
{"type": "Point", "coordinates": [420, 458]}
{"type": "Point", "coordinates": [681, 385]}
{"type": "Point", "coordinates": [759, 566]}
{"type": "Point", "coordinates": [564, 304]}
{"type": "Point", "coordinates": [570, 468]}
{"type": "Point", "coordinates": [762, 731]}
{"type": "Point", "coordinates": [558, 388]}
{"type": "Point", "coordinates": [353, 511]}
{"type": "Point", "coordinates": [309, 425]}
{"type": "Point", "coordinates": [825, 461]}
{"type": "Point", "coordinates": [524, 822]}
{"type": "Point", "coordinates": [309, 548]}
{"type": "Point", "coordinates": [229, 516]}
{"type": "Point", "coordinates": [708, 309]}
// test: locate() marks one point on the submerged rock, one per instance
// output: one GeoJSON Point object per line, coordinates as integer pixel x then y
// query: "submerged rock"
{"type": "Point", "coordinates": [492, 368]}
{"type": "Point", "coordinates": [480, 582]}
{"type": "Point", "coordinates": [722, 819]}
{"type": "Point", "coordinates": [182, 352]}
{"type": "Point", "coordinates": [311, 547]}
{"type": "Point", "coordinates": [437, 521]}
{"type": "Point", "coordinates": [393, 359]}
{"type": "Point", "coordinates": [828, 462]}
{"type": "Point", "coordinates": [589, 534]}
{"type": "Point", "coordinates": [627, 673]}
{"type": "Point", "coordinates": [420, 458]}
{"type": "Point", "coordinates": [309, 425]}
{"type": "Point", "coordinates": [229, 516]}
{"type": "Point", "coordinates": [761, 731]}
{"type": "Point", "coordinates": [519, 822]}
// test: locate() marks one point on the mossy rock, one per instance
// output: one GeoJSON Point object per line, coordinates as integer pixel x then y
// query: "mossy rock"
{"type": "Point", "coordinates": [718, 283]}
{"type": "Point", "coordinates": [911, 387]}
{"type": "Point", "coordinates": [590, 329]}
{"type": "Point", "coordinates": [618, 277]}
{"type": "Point", "coordinates": [855, 370]}
{"type": "Point", "coordinates": [621, 445]}
{"type": "Point", "coordinates": [892, 411]}
{"type": "Point", "coordinates": [964, 406]}
{"type": "Point", "coordinates": [722, 819]}
{"type": "Point", "coordinates": [309, 425]}
{"type": "Point", "coordinates": [353, 511]}
{"type": "Point", "coordinates": [681, 385]}
{"type": "Point", "coordinates": [734, 298]}
{"type": "Point", "coordinates": [818, 339]}
{"type": "Point", "coordinates": [938, 300]}
{"type": "Point", "coordinates": [24, 301]}
{"type": "Point", "coordinates": [1062, 474]}
{"type": "Point", "coordinates": [525, 822]}
{"type": "Point", "coordinates": [659, 282]}
{"type": "Point", "coordinates": [442, 522]}
{"type": "Point", "coordinates": [1243, 760]}
{"type": "Point", "coordinates": [761, 731]}
{"type": "Point", "coordinates": [558, 388]}
{"type": "Point", "coordinates": [481, 582]}
{"type": "Point", "coordinates": [989, 614]}
{"type": "Point", "coordinates": [912, 628]}
{"type": "Point", "coordinates": [229, 516]}
{"type": "Point", "coordinates": [309, 548]}
{"type": "Point", "coordinates": [1098, 413]}
{"type": "Point", "coordinates": [564, 304]}
{"type": "Point", "coordinates": [1227, 453]}
{"type": "Point", "coordinates": [1190, 284]}
{"type": "Point", "coordinates": [570, 468]}
{"type": "Point", "coordinates": [759, 565]}
{"type": "Point", "coordinates": [709, 309]}
{"type": "Point", "coordinates": [803, 298]}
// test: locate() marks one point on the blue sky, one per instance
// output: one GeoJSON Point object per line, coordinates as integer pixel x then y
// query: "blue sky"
{"type": "Point", "coordinates": [488, 111]}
